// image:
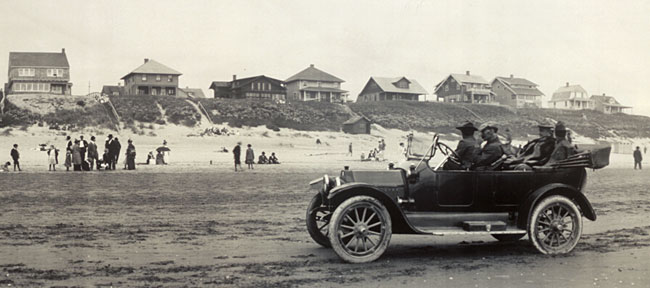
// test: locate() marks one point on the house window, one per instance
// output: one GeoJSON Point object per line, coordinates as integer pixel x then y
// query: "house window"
{"type": "Point", "coordinates": [26, 72]}
{"type": "Point", "coordinates": [171, 91]}
{"type": "Point", "coordinates": [158, 78]}
{"type": "Point", "coordinates": [514, 97]}
{"type": "Point", "coordinates": [457, 86]}
{"type": "Point", "coordinates": [54, 72]}
{"type": "Point", "coordinates": [170, 78]}
{"type": "Point", "coordinates": [163, 92]}
{"type": "Point", "coordinates": [259, 85]}
{"type": "Point", "coordinates": [252, 85]}
{"type": "Point", "coordinates": [144, 77]}
{"type": "Point", "coordinates": [153, 91]}
{"type": "Point", "coordinates": [446, 87]}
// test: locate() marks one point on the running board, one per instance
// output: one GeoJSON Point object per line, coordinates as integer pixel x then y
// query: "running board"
{"type": "Point", "coordinates": [442, 231]}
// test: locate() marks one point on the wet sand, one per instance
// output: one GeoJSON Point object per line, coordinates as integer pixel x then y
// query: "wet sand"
{"type": "Point", "coordinates": [205, 225]}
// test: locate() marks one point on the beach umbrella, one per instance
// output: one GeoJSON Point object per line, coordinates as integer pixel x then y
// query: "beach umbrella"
{"type": "Point", "coordinates": [162, 149]}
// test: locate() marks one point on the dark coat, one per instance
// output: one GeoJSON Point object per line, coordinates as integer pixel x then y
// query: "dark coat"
{"type": "Point", "coordinates": [563, 149]}
{"type": "Point", "coordinates": [92, 150]}
{"type": "Point", "coordinates": [466, 150]}
{"type": "Point", "coordinates": [237, 153]}
{"type": "Point", "coordinates": [490, 153]}
{"type": "Point", "coordinates": [538, 151]}
{"type": "Point", "coordinates": [637, 156]}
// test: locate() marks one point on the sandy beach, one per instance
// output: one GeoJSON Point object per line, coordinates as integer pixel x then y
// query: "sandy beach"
{"type": "Point", "coordinates": [192, 223]}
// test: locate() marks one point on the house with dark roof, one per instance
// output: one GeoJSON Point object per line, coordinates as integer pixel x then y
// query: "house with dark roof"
{"type": "Point", "coordinates": [151, 78]}
{"type": "Point", "coordinates": [464, 88]}
{"type": "Point", "coordinates": [391, 89]}
{"type": "Point", "coordinates": [257, 87]}
{"type": "Point", "coordinates": [516, 92]}
{"type": "Point", "coordinates": [38, 72]}
{"type": "Point", "coordinates": [608, 104]}
{"type": "Point", "coordinates": [313, 84]}
{"type": "Point", "coordinates": [571, 97]}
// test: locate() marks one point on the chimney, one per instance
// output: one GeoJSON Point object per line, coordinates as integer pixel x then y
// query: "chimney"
{"type": "Point", "coordinates": [119, 84]}
{"type": "Point", "coordinates": [63, 50]}
{"type": "Point", "coordinates": [467, 72]}
{"type": "Point", "coordinates": [234, 77]}
{"type": "Point", "coordinates": [603, 94]}
{"type": "Point", "coordinates": [311, 65]}
{"type": "Point", "coordinates": [512, 76]}
{"type": "Point", "coordinates": [146, 60]}
{"type": "Point", "coordinates": [567, 84]}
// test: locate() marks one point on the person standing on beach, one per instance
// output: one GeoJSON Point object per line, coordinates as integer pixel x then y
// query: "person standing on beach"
{"type": "Point", "coordinates": [130, 156]}
{"type": "Point", "coordinates": [15, 155]}
{"type": "Point", "coordinates": [237, 153]}
{"type": "Point", "coordinates": [52, 156]}
{"type": "Point", "coordinates": [93, 156]}
{"type": "Point", "coordinates": [250, 157]}
{"type": "Point", "coordinates": [83, 147]}
{"type": "Point", "coordinates": [118, 147]}
{"type": "Point", "coordinates": [76, 156]}
{"type": "Point", "coordinates": [637, 158]}
{"type": "Point", "coordinates": [350, 149]}
{"type": "Point", "coordinates": [110, 147]}
{"type": "Point", "coordinates": [68, 154]}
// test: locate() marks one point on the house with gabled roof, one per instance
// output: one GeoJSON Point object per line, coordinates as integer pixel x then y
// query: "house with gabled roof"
{"type": "Point", "coordinates": [464, 88]}
{"type": "Point", "coordinates": [256, 87]}
{"type": "Point", "coordinates": [516, 92]}
{"type": "Point", "coordinates": [151, 78]}
{"type": "Point", "coordinates": [608, 104]}
{"type": "Point", "coordinates": [38, 72]}
{"type": "Point", "coordinates": [113, 90]}
{"type": "Point", "coordinates": [313, 84]}
{"type": "Point", "coordinates": [391, 89]}
{"type": "Point", "coordinates": [571, 97]}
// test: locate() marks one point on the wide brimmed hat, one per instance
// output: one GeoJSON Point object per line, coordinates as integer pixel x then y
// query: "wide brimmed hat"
{"type": "Point", "coordinates": [487, 125]}
{"type": "Point", "coordinates": [467, 126]}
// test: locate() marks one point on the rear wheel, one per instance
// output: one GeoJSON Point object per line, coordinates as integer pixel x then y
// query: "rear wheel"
{"type": "Point", "coordinates": [318, 219]}
{"type": "Point", "coordinates": [555, 225]}
{"type": "Point", "coordinates": [360, 229]}
{"type": "Point", "coordinates": [508, 237]}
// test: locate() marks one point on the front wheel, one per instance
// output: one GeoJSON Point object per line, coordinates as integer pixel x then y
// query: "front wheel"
{"type": "Point", "coordinates": [318, 219]}
{"type": "Point", "coordinates": [555, 225]}
{"type": "Point", "coordinates": [360, 229]}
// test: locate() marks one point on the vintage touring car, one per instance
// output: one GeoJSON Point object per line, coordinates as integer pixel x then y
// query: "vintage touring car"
{"type": "Point", "coordinates": [356, 212]}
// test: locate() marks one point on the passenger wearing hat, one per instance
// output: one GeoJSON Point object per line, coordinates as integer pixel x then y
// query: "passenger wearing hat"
{"type": "Point", "coordinates": [491, 151]}
{"type": "Point", "coordinates": [237, 154]}
{"type": "Point", "coordinates": [536, 152]}
{"type": "Point", "coordinates": [563, 148]}
{"type": "Point", "coordinates": [467, 147]}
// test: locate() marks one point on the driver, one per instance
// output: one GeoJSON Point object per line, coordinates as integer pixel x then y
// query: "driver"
{"type": "Point", "coordinates": [491, 151]}
{"type": "Point", "coordinates": [467, 147]}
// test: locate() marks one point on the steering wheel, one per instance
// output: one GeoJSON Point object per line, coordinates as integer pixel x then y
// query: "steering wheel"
{"type": "Point", "coordinates": [448, 152]}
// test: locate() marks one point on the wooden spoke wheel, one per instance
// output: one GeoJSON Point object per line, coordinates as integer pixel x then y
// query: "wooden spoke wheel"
{"type": "Point", "coordinates": [318, 220]}
{"type": "Point", "coordinates": [360, 229]}
{"type": "Point", "coordinates": [555, 225]}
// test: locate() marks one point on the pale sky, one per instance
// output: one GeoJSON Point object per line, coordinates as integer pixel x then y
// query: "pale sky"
{"type": "Point", "coordinates": [602, 45]}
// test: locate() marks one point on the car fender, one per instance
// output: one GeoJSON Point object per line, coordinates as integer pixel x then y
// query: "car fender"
{"type": "Point", "coordinates": [554, 189]}
{"type": "Point", "coordinates": [399, 221]}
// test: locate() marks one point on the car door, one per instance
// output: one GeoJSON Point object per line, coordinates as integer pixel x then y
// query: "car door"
{"type": "Point", "coordinates": [444, 190]}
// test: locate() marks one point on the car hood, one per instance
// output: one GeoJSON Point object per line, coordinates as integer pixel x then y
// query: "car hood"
{"type": "Point", "coordinates": [386, 178]}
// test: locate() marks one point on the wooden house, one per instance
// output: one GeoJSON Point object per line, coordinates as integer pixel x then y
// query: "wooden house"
{"type": "Point", "coordinates": [465, 88]}
{"type": "Point", "coordinates": [391, 89]}
{"type": "Point", "coordinates": [257, 87]}
{"type": "Point", "coordinates": [38, 72]}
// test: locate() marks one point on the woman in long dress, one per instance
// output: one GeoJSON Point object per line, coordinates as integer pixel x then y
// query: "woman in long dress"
{"type": "Point", "coordinates": [130, 156]}
{"type": "Point", "coordinates": [76, 156]}
{"type": "Point", "coordinates": [68, 154]}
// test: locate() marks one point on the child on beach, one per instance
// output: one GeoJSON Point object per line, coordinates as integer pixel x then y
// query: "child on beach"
{"type": "Point", "coordinates": [250, 157]}
{"type": "Point", "coordinates": [52, 155]}
{"type": "Point", "coordinates": [5, 167]}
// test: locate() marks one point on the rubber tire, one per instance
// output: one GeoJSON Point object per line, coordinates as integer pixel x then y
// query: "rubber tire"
{"type": "Point", "coordinates": [508, 237]}
{"type": "Point", "coordinates": [337, 217]}
{"type": "Point", "coordinates": [539, 208]}
{"type": "Point", "coordinates": [312, 225]}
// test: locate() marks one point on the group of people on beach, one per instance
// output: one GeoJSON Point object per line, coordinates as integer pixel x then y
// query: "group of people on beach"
{"type": "Point", "coordinates": [250, 157]}
{"type": "Point", "coordinates": [82, 155]}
